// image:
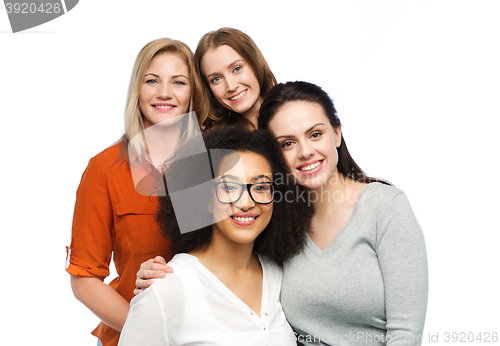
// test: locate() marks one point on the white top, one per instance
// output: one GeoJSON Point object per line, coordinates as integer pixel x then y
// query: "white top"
{"type": "Point", "coordinates": [193, 307]}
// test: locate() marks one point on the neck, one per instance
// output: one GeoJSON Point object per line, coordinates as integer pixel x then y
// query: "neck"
{"type": "Point", "coordinates": [333, 194]}
{"type": "Point", "coordinates": [222, 255]}
{"type": "Point", "coordinates": [253, 113]}
{"type": "Point", "coordinates": [162, 142]}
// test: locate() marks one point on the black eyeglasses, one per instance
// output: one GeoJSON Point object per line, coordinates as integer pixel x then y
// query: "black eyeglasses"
{"type": "Point", "coordinates": [231, 192]}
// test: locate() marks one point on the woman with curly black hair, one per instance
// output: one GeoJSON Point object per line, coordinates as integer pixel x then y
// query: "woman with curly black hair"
{"type": "Point", "coordinates": [227, 276]}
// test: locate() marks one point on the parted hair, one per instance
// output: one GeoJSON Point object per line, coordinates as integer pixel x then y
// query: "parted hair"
{"type": "Point", "coordinates": [284, 236]}
{"type": "Point", "coordinates": [284, 93]}
{"type": "Point", "coordinates": [212, 113]}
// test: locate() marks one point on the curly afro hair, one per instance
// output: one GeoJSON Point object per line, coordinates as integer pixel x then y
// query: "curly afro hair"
{"type": "Point", "coordinates": [283, 237]}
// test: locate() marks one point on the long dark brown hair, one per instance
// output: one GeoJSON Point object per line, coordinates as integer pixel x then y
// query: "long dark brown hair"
{"type": "Point", "coordinates": [281, 94]}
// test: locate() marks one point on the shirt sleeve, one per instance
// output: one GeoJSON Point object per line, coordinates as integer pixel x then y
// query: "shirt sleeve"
{"type": "Point", "coordinates": [403, 261]}
{"type": "Point", "coordinates": [91, 238]}
{"type": "Point", "coordinates": [146, 321]}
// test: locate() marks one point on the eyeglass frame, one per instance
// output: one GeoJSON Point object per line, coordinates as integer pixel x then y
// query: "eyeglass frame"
{"type": "Point", "coordinates": [216, 184]}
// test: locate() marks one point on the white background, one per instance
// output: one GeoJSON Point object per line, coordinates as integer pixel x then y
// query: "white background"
{"type": "Point", "coordinates": [416, 84]}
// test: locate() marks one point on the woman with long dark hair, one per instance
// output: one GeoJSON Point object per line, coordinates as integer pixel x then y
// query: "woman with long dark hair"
{"type": "Point", "coordinates": [362, 276]}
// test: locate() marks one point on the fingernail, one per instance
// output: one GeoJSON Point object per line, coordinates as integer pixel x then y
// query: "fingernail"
{"type": "Point", "coordinates": [162, 274]}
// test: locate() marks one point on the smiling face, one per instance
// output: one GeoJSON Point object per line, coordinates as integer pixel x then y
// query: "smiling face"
{"type": "Point", "coordinates": [232, 81]}
{"type": "Point", "coordinates": [309, 142]}
{"type": "Point", "coordinates": [242, 221]}
{"type": "Point", "coordinates": [165, 91]}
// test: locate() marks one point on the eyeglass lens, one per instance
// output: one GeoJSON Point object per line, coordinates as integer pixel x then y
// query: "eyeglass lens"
{"type": "Point", "coordinates": [229, 192]}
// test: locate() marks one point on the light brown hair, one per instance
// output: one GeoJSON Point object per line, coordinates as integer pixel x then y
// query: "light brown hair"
{"type": "Point", "coordinates": [212, 113]}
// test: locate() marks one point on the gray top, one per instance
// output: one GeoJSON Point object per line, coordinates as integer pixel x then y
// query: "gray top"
{"type": "Point", "coordinates": [369, 286]}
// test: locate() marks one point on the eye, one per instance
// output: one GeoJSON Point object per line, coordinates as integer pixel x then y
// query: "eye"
{"type": "Point", "coordinates": [261, 188]}
{"type": "Point", "coordinates": [316, 134]}
{"type": "Point", "coordinates": [286, 144]}
{"type": "Point", "coordinates": [179, 82]}
{"type": "Point", "coordinates": [215, 80]}
{"type": "Point", "coordinates": [237, 69]}
{"type": "Point", "coordinates": [228, 187]}
{"type": "Point", "coordinates": [151, 81]}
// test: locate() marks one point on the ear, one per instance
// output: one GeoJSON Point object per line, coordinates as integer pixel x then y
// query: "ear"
{"type": "Point", "coordinates": [338, 136]}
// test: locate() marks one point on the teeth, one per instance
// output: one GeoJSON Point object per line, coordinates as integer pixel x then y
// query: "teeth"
{"type": "Point", "coordinates": [310, 167]}
{"type": "Point", "coordinates": [240, 95]}
{"type": "Point", "coordinates": [243, 219]}
{"type": "Point", "coordinates": [164, 107]}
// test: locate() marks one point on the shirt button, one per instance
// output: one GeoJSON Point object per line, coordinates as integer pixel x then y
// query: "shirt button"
{"type": "Point", "coordinates": [266, 313]}
{"type": "Point", "coordinates": [264, 328]}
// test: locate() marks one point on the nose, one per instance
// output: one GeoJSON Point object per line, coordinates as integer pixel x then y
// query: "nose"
{"type": "Point", "coordinates": [305, 151]}
{"type": "Point", "coordinates": [245, 202]}
{"type": "Point", "coordinates": [231, 84]}
{"type": "Point", "coordinates": [164, 91]}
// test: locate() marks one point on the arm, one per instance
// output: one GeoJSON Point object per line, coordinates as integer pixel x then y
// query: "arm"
{"type": "Point", "coordinates": [92, 246]}
{"type": "Point", "coordinates": [403, 261]}
{"type": "Point", "coordinates": [151, 269]}
{"type": "Point", "coordinates": [102, 300]}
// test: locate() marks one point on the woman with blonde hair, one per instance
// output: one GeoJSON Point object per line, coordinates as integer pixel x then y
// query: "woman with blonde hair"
{"type": "Point", "coordinates": [234, 78]}
{"type": "Point", "coordinates": [111, 219]}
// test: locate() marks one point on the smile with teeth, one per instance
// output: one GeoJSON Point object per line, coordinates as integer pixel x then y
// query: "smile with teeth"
{"type": "Point", "coordinates": [237, 97]}
{"type": "Point", "coordinates": [163, 107]}
{"type": "Point", "coordinates": [243, 219]}
{"type": "Point", "coordinates": [310, 167]}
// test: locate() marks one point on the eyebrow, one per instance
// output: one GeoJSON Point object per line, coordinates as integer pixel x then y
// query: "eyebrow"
{"type": "Point", "coordinates": [174, 76]}
{"type": "Point", "coordinates": [306, 131]}
{"type": "Point", "coordinates": [261, 177]}
{"type": "Point", "coordinates": [235, 178]}
{"type": "Point", "coordinates": [229, 65]}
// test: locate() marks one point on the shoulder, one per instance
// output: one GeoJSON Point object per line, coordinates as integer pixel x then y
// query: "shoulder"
{"type": "Point", "coordinates": [175, 287]}
{"type": "Point", "coordinates": [392, 207]}
{"type": "Point", "coordinates": [109, 156]}
{"type": "Point", "coordinates": [379, 192]}
{"type": "Point", "coordinates": [108, 159]}
{"type": "Point", "coordinates": [183, 271]}
{"type": "Point", "coordinates": [385, 200]}
{"type": "Point", "coordinates": [273, 270]}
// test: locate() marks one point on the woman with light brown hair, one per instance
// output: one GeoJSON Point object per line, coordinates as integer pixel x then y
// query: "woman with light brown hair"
{"type": "Point", "coordinates": [111, 219]}
{"type": "Point", "coordinates": [234, 78]}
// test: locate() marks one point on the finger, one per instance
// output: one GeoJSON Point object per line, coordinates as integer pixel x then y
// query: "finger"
{"type": "Point", "coordinates": [143, 284]}
{"type": "Point", "coordinates": [159, 268]}
{"type": "Point", "coordinates": [150, 274]}
{"type": "Point", "coordinates": [147, 264]}
{"type": "Point", "coordinates": [160, 260]}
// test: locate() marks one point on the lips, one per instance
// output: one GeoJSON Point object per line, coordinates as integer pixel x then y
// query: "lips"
{"type": "Point", "coordinates": [238, 97]}
{"type": "Point", "coordinates": [163, 107]}
{"type": "Point", "coordinates": [310, 167]}
{"type": "Point", "coordinates": [244, 219]}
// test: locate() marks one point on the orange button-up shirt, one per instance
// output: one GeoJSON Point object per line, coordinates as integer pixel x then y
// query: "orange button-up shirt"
{"type": "Point", "coordinates": [112, 220]}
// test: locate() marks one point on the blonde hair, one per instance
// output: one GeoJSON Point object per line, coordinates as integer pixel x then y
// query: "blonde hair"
{"type": "Point", "coordinates": [212, 113]}
{"type": "Point", "coordinates": [134, 123]}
